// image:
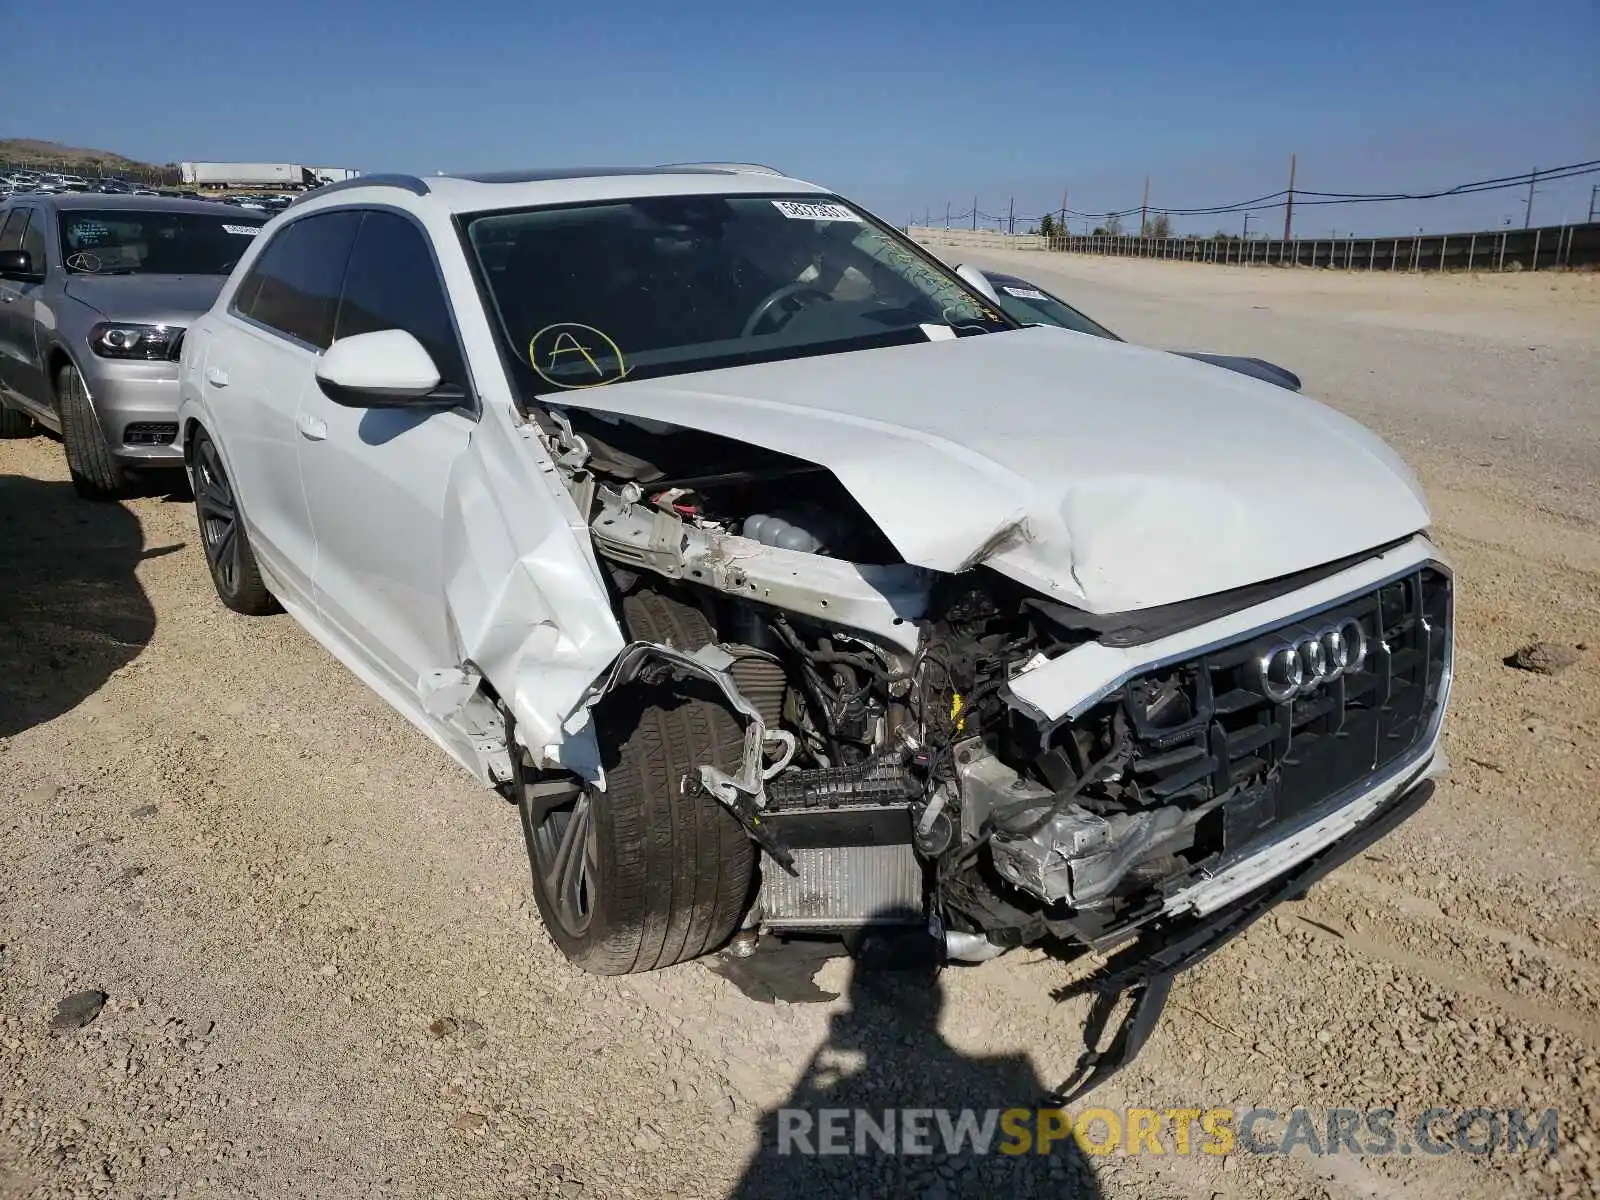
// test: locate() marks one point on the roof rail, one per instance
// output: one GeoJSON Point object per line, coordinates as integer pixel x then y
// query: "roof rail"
{"type": "Point", "coordinates": [736, 167]}
{"type": "Point", "coordinates": [408, 183]}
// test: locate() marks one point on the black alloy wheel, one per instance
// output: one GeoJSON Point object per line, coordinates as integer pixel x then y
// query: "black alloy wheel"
{"type": "Point", "coordinates": [566, 855]}
{"type": "Point", "coordinates": [222, 533]}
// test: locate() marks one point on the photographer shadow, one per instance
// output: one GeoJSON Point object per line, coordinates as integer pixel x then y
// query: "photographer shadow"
{"type": "Point", "coordinates": [885, 1052]}
{"type": "Point", "coordinates": [72, 609]}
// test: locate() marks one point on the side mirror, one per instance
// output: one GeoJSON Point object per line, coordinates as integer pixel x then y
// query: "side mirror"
{"type": "Point", "coordinates": [18, 265]}
{"type": "Point", "coordinates": [387, 369]}
{"type": "Point", "coordinates": [979, 281]}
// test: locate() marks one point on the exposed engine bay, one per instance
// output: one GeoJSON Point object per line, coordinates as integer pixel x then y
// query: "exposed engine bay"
{"type": "Point", "coordinates": [889, 774]}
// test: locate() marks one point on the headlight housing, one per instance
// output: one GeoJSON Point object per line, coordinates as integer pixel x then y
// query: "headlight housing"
{"type": "Point", "coordinates": [122, 339]}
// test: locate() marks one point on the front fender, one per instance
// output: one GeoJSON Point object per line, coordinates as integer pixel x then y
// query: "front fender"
{"type": "Point", "coordinates": [524, 591]}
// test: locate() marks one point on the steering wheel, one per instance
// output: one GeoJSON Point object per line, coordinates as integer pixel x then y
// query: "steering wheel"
{"type": "Point", "coordinates": [789, 291]}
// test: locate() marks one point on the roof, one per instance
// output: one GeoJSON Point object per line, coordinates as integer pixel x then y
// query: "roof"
{"type": "Point", "coordinates": [552, 173]}
{"type": "Point", "coordinates": [486, 191]}
{"type": "Point", "coordinates": [104, 202]}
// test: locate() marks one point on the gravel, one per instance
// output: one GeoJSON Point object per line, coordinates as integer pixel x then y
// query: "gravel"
{"type": "Point", "coordinates": [324, 974]}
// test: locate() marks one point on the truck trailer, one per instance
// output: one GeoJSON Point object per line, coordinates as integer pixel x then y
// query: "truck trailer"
{"type": "Point", "coordinates": [244, 174]}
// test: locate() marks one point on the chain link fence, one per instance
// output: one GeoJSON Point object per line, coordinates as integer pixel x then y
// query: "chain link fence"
{"type": "Point", "coordinates": [1549, 246]}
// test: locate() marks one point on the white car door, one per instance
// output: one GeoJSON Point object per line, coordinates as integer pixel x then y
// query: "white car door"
{"type": "Point", "coordinates": [376, 479]}
{"type": "Point", "coordinates": [257, 368]}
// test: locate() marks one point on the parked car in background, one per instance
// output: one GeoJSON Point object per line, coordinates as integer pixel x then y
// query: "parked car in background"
{"type": "Point", "coordinates": [1032, 305]}
{"type": "Point", "coordinates": [787, 582]}
{"type": "Point", "coordinates": [95, 294]}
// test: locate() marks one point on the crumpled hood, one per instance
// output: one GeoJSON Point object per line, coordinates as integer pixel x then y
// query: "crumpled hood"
{"type": "Point", "coordinates": [1107, 475]}
{"type": "Point", "coordinates": [149, 299]}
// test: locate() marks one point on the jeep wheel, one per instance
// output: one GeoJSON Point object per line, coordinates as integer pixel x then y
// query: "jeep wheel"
{"type": "Point", "coordinates": [95, 474]}
{"type": "Point", "coordinates": [14, 423]}
{"type": "Point", "coordinates": [222, 534]}
{"type": "Point", "coordinates": [653, 870]}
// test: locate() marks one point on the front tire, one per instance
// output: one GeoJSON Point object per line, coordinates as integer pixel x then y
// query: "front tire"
{"type": "Point", "coordinates": [654, 870]}
{"type": "Point", "coordinates": [95, 473]}
{"type": "Point", "coordinates": [232, 562]}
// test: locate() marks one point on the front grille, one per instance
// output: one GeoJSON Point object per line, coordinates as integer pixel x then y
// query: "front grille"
{"type": "Point", "coordinates": [150, 433]}
{"type": "Point", "coordinates": [1207, 726]}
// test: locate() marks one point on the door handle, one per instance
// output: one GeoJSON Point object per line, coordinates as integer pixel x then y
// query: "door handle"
{"type": "Point", "coordinates": [9, 298]}
{"type": "Point", "coordinates": [216, 377]}
{"type": "Point", "coordinates": [313, 429]}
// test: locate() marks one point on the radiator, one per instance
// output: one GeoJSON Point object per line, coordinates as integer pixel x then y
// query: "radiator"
{"type": "Point", "coordinates": [844, 886]}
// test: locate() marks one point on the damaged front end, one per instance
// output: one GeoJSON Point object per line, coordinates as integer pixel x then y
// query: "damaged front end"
{"type": "Point", "coordinates": [903, 762]}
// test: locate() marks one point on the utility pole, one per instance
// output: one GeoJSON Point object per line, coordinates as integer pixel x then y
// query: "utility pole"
{"type": "Point", "coordinates": [974, 214]}
{"type": "Point", "coordinates": [1011, 219]}
{"type": "Point", "coordinates": [1288, 211]}
{"type": "Point", "coordinates": [1246, 234]}
{"type": "Point", "coordinates": [947, 214]}
{"type": "Point", "coordinates": [1064, 210]}
{"type": "Point", "coordinates": [1593, 192]}
{"type": "Point", "coordinates": [1527, 213]}
{"type": "Point", "coordinates": [925, 221]}
{"type": "Point", "coordinates": [1144, 204]}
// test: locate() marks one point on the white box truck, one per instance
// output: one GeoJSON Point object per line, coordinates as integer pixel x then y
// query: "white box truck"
{"type": "Point", "coordinates": [244, 174]}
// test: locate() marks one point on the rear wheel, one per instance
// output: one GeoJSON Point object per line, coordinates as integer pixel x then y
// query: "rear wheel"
{"type": "Point", "coordinates": [95, 473]}
{"type": "Point", "coordinates": [653, 870]}
{"type": "Point", "coordinates": [222, 533]}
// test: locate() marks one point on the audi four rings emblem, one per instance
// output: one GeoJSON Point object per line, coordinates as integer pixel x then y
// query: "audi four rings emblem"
{"type": "Point", "coordinates": [1298, 668]}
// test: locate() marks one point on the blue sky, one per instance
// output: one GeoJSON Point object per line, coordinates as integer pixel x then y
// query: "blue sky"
{"type": "Point", "coordinates": [902, 106]}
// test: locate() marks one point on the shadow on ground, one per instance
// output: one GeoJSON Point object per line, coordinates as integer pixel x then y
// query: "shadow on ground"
{"type": "Point", "coordinates": [71, 610]}
{"type": "Point", "coordinates": [885, 1052]}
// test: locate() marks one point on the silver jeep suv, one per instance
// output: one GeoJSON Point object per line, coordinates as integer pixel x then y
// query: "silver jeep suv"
{"type": "Point", "coordinates": [95, 294]}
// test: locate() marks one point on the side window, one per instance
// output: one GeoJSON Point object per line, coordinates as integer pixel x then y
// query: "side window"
{"type": "Point", "coordinates": [392, 283]}
{"type": "Point", "coordinates": [293, 286]}
{"type": "Point", "coordinates": [33, 240]}
{"type": "Point", "coordinates": [11, 231]}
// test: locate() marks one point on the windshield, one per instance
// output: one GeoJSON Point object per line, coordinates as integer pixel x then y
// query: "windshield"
{"type": "Point", "coordinates": [129, 242]}
{"type": "Point", "coordinates": [662, 285]}
{"type": "Point", "coordinates": [1025, 303]}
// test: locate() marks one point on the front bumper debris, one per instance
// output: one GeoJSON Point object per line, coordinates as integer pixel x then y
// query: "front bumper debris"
{"type": "Point", "coordinates": [1144, 970]}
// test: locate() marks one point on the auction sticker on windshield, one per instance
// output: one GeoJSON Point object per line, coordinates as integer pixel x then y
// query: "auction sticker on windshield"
{"type": "Point", "coordinates": [797, 210]}
{"type": "Point", "coordinates": [1023, 293]}
{"type": "Point", "coordinates": [242, 230]}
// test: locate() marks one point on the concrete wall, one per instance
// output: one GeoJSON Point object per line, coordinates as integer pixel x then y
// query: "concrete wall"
{"type": "Point", "coordinates": [938, 237]}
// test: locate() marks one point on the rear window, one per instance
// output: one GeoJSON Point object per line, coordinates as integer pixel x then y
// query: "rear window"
{"type": "Point", "coordinates": [11, 228]}
{"type": "Point", "coordinates": [293, 287]}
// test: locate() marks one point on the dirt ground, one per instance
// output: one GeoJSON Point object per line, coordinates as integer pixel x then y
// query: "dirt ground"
{"type": "Point", "coordinates": [326, 976]}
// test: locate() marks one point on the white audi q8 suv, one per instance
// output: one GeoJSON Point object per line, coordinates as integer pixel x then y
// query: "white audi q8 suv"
{"type": "Point", "coordinates": [787, 584]}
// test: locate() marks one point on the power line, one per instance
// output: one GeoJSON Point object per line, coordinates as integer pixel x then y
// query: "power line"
{"type": "Point", "coordinates": [1303, 197]}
